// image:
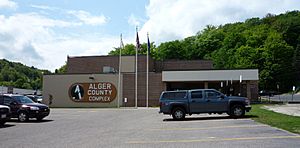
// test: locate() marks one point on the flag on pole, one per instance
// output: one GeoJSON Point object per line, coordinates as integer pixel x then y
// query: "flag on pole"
{"type": "Point", "coordinates": [136, 66]}
{"type": "Point", "coordinates": [147, 76]}
{"type": "Point", "coordinates": [121, 44]}
{"type": "Point", "coordinates": [148, 44]}
{"type": "Point", "coordinates": [138, 45]}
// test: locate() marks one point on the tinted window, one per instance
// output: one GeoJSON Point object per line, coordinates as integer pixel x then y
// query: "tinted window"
{"type": "Point", "coordinates": [7, 100]}
{"type": "Point", "coordinates": [174, 95]}
{"type": "Point", "coordinates": [210, 94]}
{"type": "Point", "coordinates": [197, 95]}
{"type": "Point", "coordinates": [22, 99]}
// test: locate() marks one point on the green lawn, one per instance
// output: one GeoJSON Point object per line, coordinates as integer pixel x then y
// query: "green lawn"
{"type": "Point", "coordinates": [286, 122]}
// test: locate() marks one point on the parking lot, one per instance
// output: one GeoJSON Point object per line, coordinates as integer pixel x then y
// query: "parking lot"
{"type": "Point", "coordinates": [141, 128]}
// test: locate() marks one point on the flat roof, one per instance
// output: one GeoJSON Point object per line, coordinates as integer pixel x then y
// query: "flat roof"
{"type": "Point", "coordinates": [210, 75]}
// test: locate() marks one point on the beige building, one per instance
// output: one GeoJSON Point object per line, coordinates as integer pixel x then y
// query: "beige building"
{"type": "Point", "coordinates": [92, 81]}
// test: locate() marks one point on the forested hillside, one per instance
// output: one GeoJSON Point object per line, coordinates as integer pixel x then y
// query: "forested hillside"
{"type": "Point", "coordinates": [20, 76]}
{"type": "Point", "coordinates": [270, 44]}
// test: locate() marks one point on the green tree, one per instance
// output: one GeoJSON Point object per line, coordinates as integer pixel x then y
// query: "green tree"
{"type": "Point", "coordinates": [62, 69]}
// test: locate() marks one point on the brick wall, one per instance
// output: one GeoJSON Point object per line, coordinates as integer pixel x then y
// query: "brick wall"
{"type": "Point", "coordinates": [95, 64]}
{"type": "Point", "coordinates": [156, 86]}
{"type": "Point", "coordinates": [183, 65]}
{"type": "Point", "coordinates": [91, 64]}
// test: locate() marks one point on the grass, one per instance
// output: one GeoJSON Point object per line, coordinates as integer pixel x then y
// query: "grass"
{"type": "Point", "coordinates": [286, 122]}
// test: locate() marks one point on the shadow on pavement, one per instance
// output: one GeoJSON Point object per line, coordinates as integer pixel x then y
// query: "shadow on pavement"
{"type": "Point", "coordinates": [209, 118]}
{"type": "Point", "coordinates": [31, 121]}
{"type": "Point", "coordinates": [6, 125]}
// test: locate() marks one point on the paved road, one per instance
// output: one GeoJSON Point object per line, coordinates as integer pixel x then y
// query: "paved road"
{"type": "Point", "coordinates": [289, 109]}
{"type": "Point", "coordinates": [286, 98]}
{"type": "Point", "coordinates": [141, 128]}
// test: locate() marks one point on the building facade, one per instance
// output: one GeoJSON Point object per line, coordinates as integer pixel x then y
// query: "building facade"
{"type": "Point", "coordinates": [91, 79]}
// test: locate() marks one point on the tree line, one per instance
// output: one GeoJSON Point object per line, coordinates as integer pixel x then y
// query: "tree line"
{"type": "Point", "coordinates": [270, 44]}
{"type": "Point", "coordinates": [20, 76]}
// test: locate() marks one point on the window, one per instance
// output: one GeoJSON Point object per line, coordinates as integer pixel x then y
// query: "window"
{"type": "Point", "coordinates": [108, 69]}
{"type": "Point", "coordinates": [210, 94]}
{"type": "Point", "coordinates": [165, 96]}
{"type": "Point", "coordinates": [22, 99]}
{"type": "Point", "coordinates": [7, 100]}
{"type": "Point", "coordinates": [197, 95]}
{"type": "Point", "coordinates": [174, 95]}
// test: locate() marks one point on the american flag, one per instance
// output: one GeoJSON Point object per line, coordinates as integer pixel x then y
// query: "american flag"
{"type": "Point", "coordinates": [138, 45]}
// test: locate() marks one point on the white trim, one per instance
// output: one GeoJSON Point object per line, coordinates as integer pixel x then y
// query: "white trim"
{"type": "Point", "coordinates": [209, 75]}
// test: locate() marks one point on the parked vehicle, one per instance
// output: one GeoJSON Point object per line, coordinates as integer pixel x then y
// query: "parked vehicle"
{"type": "Point", "coordinates": [267, 93]}
{"type": "Point", "coordinates": [4, 114]}
{"type": "Point", "coordinates": [188, 102]}
{"type": "Point", "coordinates": [35, 98]}
{"type": "Point", "coordinates": [24, 108]}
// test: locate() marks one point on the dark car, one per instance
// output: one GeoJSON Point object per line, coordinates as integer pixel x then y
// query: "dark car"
{"type": "Point", "coordinates": [4, 114]}
{"type": "Point", "coordinates": [24, 108]}
{"type": "Point", "coordinates": [267, 93]}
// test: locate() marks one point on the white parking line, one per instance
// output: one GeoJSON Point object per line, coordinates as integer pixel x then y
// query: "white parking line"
{"type": "Point", "coordinates": [212, 140]}
{"type": "Point", "coordinates": [206, 128]}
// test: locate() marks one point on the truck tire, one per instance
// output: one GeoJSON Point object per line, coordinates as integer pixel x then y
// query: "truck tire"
{"type": "Point", "coordinates": [178, 113]}
{"type": "Point", "coordinates": [237, 111]}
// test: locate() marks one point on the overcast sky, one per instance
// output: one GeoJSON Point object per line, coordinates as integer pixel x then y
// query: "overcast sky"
{"type": "Point", "coordinates": [41, 33]}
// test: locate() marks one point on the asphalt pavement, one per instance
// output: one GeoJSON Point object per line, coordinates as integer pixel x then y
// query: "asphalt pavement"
{"type": "Point", "coordinates": [289, 109]}
{"type": "Point", "coordinates": [285, 98]}
{"type": "Point", "coordinates": [77, 128]}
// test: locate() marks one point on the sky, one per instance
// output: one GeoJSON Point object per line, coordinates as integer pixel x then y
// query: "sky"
{"type": "Point", "coordinates": [42, 33]}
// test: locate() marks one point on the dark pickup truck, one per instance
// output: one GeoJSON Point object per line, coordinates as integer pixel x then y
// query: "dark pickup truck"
{"type": "Point", "coordinates": [188, 102]}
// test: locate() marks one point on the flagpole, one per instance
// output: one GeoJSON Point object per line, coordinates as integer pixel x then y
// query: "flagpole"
{"type": "Point", "coordinates": [147, 77]}
{"type": "Point", "coordinates": [136, 60]}
{"type": "Point", "coordinates": [120, 63]}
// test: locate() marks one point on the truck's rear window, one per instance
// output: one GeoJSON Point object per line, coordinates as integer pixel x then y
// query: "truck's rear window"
{"type": "Point", "coordinates": [173, 95]}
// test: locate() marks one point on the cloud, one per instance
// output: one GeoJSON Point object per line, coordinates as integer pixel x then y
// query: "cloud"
{"type": "Point", "coordinates": [56, 51]}
{"type": "Point", "coordinates": [177, 19]}
{"type": "Point", "coordinates": [133, 20]}
{"type": "Point", "coordinates": [8, 4]}
{"type": "Point", "coordinates": [87, 18]}
{"type": "Point", "coordinates": [82, 16]}
{"type": "Point", "coordinates": [32, 39]}
{"type": "Point", "coordinates": [44, 7]}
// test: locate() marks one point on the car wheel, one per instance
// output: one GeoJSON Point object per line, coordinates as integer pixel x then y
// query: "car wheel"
{"type": "Point", "coordinates": [237, 111]}
{"type": "Point", "coordinates": [39, 118]}
{"type": "Point", "coordinates": [23, 117]}
{"type": "Point", "coordinates": [178, 114]}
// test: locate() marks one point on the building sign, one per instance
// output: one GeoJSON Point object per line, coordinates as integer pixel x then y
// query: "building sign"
{"type": "Point", "coordinates": [103, 92]}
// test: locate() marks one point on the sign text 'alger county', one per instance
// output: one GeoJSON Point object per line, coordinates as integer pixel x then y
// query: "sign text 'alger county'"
{"type": "Point", "coordinates": [103, 92]}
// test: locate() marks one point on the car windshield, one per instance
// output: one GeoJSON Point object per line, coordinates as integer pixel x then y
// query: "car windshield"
{"type": "Point", "coordinates": [22, 99]}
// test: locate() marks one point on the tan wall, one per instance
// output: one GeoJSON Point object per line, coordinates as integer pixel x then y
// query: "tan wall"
{"type": "Point", "coordinates": [128, 64]}
{"type": "Point", "coordinates": [58, 86]}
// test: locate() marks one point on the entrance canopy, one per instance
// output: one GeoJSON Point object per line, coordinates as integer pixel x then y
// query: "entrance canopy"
{"type": "Point", "coordinates": [209, 75]}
